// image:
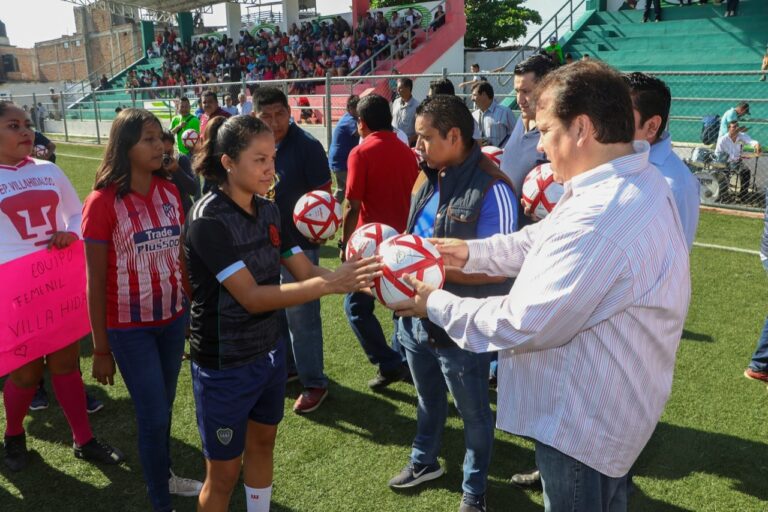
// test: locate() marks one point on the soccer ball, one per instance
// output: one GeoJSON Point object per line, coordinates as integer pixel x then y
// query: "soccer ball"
{"type": "Point", "coordinates": [541, 192]}
{"type": "Point", "coordinates": [40, 151]}
{"type": "Point", "coordinates": [493, 153]}
{"type": "Point", "coordinates": [189, 138]}
{"type": "Point", "coordinates": [367, 238]}
{"type": "Point", "coordinates": [317, 215]}
{"type": "Point", "coordinates": [402, 255]}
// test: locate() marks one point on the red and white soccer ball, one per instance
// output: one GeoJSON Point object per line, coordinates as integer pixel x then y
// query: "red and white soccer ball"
{"type": "Point", "coordinates": [541, 192]}
{"type": "Point", "coordinates": [317, 215]}
{"type": "Point", "coordinates": [189, 138]}
{"type": "Point", "coordinates": [367, 238]}
{"type": "Point", "coordinates": [493, 153]}
{"type": "Point", "coordinates": [40, 151]}
{"type": "Point", "coordinates": [403, 255]}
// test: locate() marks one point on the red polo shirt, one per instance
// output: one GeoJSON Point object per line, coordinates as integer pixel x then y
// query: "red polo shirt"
{"type": "Point", "coordinates": [380, 174]}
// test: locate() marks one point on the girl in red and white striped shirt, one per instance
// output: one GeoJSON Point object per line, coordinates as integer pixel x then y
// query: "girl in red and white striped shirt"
{"type": "Point", "coordinates": [132, 228]}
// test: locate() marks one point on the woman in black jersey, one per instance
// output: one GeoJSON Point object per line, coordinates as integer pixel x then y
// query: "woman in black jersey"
{"type": "Point", "coordinates": [234, 250]}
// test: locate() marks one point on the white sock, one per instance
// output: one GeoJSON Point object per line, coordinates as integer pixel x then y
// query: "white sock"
{"type": "Point", "coordinates": [257, 500]}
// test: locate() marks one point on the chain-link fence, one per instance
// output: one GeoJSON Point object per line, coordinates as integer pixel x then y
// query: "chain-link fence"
{"type": "Point", "coordinates": [738, 180]}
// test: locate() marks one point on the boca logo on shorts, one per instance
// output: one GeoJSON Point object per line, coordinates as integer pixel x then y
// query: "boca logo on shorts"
{"type": "Point", "coordinates": [224, 435]}
{"type": "Point", "coordinates": [274, 236]}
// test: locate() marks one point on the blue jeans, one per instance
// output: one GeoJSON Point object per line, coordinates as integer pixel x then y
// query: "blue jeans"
{"type": "Point", "coordinates": [572, 486]}
{"type": "Point", "coordinates": [437, 370]}
{"type": "Point", "coordinates": [303, 328]}
{"type": "Point", "coordinates": [149, 359]}
{"type": "Point", "coordinates": [359, 309]}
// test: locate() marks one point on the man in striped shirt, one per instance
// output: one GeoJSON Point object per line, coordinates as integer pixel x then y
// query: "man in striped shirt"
{"type": "Point", "coordinates": [588, 334]}
{"type": "Point", "coordinates": [493, 122]}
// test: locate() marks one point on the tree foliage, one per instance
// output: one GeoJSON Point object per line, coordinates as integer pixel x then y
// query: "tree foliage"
{"type": "Point", "coordinates": [490, 23]}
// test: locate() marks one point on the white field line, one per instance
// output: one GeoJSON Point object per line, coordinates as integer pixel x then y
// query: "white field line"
{"type": "Point", "coordinates": [726, 248]}
{"type": "Point", "coordinates": [78, 156]}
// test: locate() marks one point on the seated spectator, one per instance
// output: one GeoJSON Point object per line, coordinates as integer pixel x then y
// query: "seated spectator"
{"type": "Point", "coordinates": [736, 113]}
{"type": "Point", "coordinates": [439, 19]}
{"type": "Point", "coordinates": [729, 149]}
{"type": "Point", "coordinates": [555, 51]}
{"type": "Point", "coordinates": [354, 60]}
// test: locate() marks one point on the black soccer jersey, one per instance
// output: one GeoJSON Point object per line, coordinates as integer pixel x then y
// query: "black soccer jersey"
{"type": "Point", "coordinates": [221, 239]}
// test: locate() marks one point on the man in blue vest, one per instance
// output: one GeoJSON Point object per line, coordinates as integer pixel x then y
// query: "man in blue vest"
{"type": "Point", "coordinates": [459, 193]}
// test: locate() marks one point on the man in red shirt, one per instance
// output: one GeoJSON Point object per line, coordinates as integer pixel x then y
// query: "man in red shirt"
{"type": "Point", "coordinates": [381, 172]}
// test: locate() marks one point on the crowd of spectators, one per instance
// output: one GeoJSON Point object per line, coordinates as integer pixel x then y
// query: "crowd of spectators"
{"type": "Point", "coordinates": [308, 50]}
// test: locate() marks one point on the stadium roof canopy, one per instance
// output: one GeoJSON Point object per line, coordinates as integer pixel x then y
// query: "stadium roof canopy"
{"type": "Point", "coordinates": [160, 9]}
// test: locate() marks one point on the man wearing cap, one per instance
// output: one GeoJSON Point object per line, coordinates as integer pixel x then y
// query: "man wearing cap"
{"type": "Point", "coordinates": [733, 114]}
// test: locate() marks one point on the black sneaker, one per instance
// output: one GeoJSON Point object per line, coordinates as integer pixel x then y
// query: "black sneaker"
{"type": "Point", "coordinates": [414, 474]}
{"type": "Point", "coordinates": [383, 379]}
{"type": "Point", "coordinates": [472, 503]}
{"type": "Point", "coordinates": [16, 452]}
{"type": "Point", "coordinates": [99, 451]}
{"type": "Point", "coordinates": [40, 401]}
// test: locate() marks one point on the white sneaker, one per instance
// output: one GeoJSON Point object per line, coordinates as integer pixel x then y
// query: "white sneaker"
{"type": "Point", "coordinates": [183, 486]}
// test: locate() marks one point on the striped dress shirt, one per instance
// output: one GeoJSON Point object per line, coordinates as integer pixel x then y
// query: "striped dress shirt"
{"type": "Point", "coordinates": [588, 334]}
{"type": "Point", "coordinates": [494, 125]}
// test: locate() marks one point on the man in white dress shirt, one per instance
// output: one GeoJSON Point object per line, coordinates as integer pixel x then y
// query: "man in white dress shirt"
{"type": "Point", "coordinates": [587, 335]}
{"type": "Point", "coordinates": [729, 149]}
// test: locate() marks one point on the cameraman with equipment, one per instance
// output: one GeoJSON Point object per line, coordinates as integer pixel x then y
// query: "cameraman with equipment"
{"type": "Point", "coordinates": [179, 169]}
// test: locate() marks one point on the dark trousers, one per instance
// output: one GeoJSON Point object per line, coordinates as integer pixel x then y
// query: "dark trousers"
{"type": "Point", "coordinates": [732, 5]}
{"type": "Point", "coordinates": [656, 9]}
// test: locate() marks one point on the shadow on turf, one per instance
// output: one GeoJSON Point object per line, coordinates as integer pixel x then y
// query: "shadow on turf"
{"type": "Point", "coordinates": [115, 424]}
{"type": "Point", "coordinates": [696, 336]}
{"type": "Point", "coordinates": [350, 411]}
{"type": "Point", "coordinates": [676, 452]}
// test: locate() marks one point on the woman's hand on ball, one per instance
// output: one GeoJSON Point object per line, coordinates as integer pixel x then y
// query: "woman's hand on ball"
{"type": "Point", "coordinates": [455, 252]}
{"type": "Point", "coordinates": [355, 275]}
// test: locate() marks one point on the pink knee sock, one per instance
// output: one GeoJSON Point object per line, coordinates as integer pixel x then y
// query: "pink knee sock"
{"type": "Point", "coordinates": [70, 392]}
{"type": "Point", "coordinates": [16, 402]}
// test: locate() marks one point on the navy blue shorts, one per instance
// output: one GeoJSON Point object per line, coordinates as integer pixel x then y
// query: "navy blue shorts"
{"type": "Point", "coordinates": [226, 399]}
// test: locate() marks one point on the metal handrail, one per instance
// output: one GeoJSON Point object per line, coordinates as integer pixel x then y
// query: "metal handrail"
{"type": "Point", "coordinates": [389, 45]}
{"type": "Point", "coordinates": [537, 36]}
{"type": "Point", "coordinates": [107, 66]}
{"type": "Point", "coordinates": [262, 16]}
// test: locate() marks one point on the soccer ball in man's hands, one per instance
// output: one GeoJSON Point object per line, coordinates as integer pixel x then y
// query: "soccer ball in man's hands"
{"type": "Point", "coordinates": [367, 238]}
{"type": "Point", "coordinates": [402, 255]}
{"type": "Point", "coordinates": [317, 215]}
{"type": "Point", "coordinates": [541, 192]}
{"type": "Point", "coordinates": [189, 138]}
{"type": "Point", "coordinates": [493, 153]}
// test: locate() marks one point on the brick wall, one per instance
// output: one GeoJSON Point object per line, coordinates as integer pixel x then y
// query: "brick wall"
{"type": "Point", "coordinates": [27, 60]}
{"type": "Point", "coordinates": [62, 59]}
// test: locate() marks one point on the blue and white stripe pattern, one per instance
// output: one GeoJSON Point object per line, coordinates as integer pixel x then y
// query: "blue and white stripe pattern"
{"type": "Point", "coordinates": [504, 201]}
{"type": "Point", "coordinates": [588, 334]}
